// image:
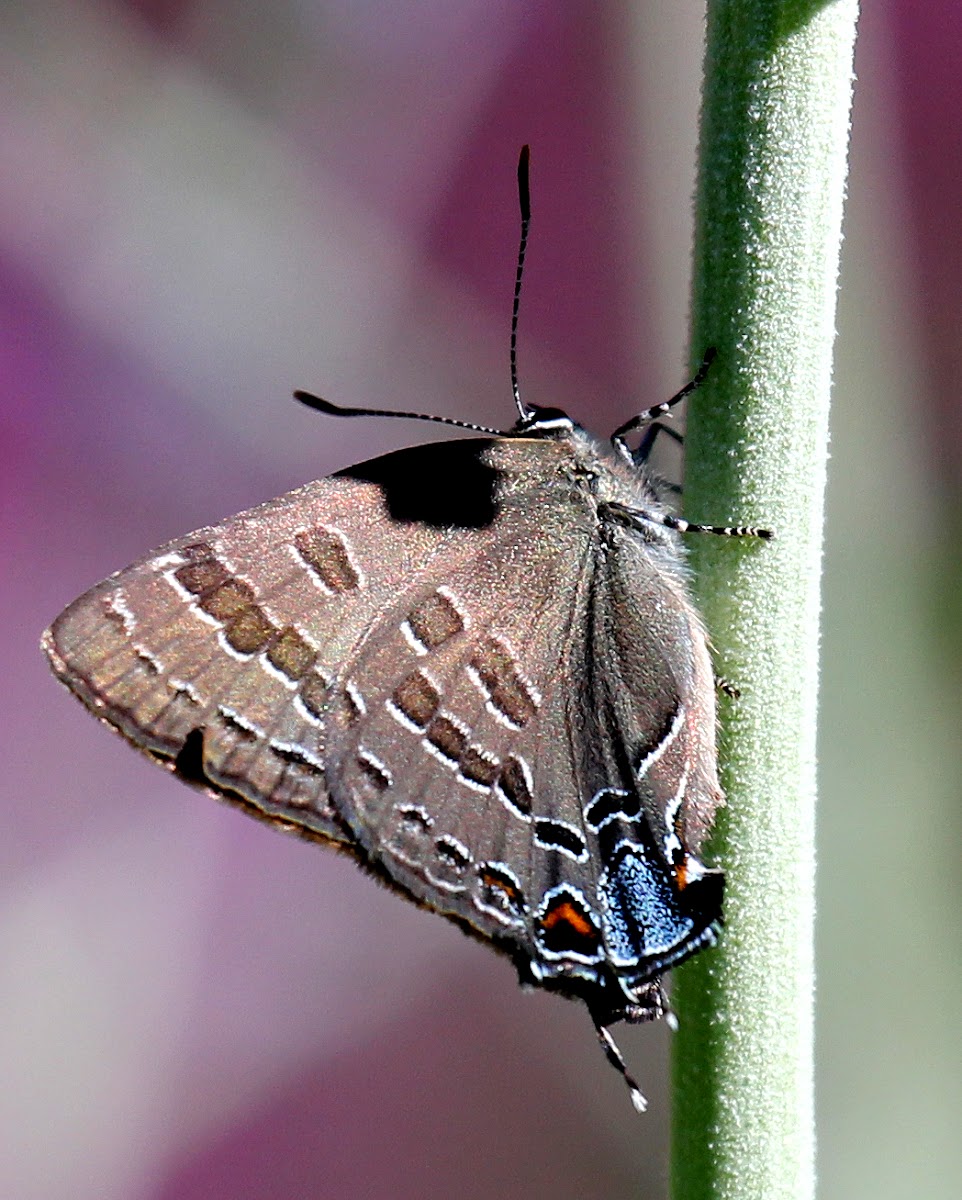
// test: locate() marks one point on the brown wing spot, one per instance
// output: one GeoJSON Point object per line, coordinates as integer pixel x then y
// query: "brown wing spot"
{"type": "Point", "coordinates": [250, 631]}
{"type": "Point", "coordinates": [201, 576]}
{"type": "Point", "coordinates": [196, 551]}
{"type": "Point", "coordinates": [514, 785]}
{"type": "Point", "coordinates": [326, 552]}
{"type": "Point", "coordinates": [291, 654]}
{"type": "Point", "coordinates": [435, 620]}
{"type": "Point", "coordinates": [313, 694]}
{"type": "Point", "coordinates": [447, 738]}
{"type": "Point", "coordinates": [228, 600]}
{"type": "Point", "coordinates": [565, 926]}
{"type": "Point", "coordinates": [501, 679]}
{"type": "Point", "coordinates": [417, 698]}
{"type": "Point", "coordinates": [565, 913]}
{"type": "Point", "coordinates": [479, 766]}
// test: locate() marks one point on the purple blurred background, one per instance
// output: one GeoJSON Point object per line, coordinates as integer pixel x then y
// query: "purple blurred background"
{"type": "Point", "coordinates": [204, 205]}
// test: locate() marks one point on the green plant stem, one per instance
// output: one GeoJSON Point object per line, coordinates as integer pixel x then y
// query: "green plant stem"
{"type": "Point", "coordinates": [774, 137]}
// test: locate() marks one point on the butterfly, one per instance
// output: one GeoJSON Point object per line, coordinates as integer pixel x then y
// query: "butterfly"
{"type": "Point", "coordinates": [472, 665]}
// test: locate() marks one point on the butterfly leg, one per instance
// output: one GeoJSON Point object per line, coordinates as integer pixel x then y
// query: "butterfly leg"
{"type": "Point", "coordinates": [727, 688]}
{"type": "Point", "coordinates": [642, 451]}
{"type": "Point", "coordinates": [661, 410]}
{"type": "Point", "coordinates": [617, 1060]}
{"type": "Point", "coordinates": [639, 519]}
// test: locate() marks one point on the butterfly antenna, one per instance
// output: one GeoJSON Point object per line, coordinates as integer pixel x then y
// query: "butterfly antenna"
{"type": "Point", "coordinates": [524, 198]}
{"type": "Point", "coordinates": [336, 410]}
{"type": "Point", "coordinates": [617, 1060]}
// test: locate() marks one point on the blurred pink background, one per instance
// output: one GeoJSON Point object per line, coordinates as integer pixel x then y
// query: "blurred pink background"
{"type": "Point", "coordinates": [204, 205]}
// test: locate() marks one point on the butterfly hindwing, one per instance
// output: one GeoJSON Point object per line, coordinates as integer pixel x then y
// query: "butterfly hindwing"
{"type": "Point", "coordinates": [491, 766]}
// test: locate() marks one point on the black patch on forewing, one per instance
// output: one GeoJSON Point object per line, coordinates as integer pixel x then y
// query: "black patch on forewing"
{"type": "Point", "coordinates": [442, 484]}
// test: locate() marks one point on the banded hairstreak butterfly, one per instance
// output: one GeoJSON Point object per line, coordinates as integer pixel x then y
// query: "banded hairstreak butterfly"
{"type": "Point", "coordinates": [473, 665]}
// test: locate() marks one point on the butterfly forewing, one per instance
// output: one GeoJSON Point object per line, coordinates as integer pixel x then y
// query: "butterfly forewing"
{"type": "Point", "coordinates": [223, 652]}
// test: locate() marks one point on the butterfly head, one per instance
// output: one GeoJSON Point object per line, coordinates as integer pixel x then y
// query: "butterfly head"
{"type": "Point", "coordinates": [544, 422]}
